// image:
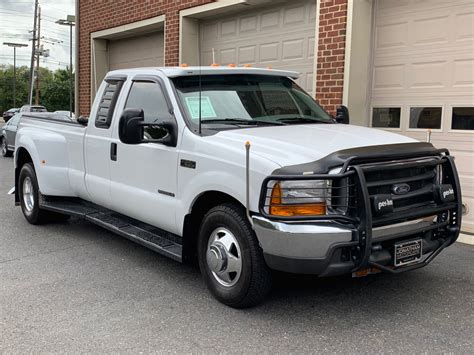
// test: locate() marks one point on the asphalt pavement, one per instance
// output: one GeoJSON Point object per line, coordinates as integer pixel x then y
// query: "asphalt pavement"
{"type": "Point", "coordinates": [74, 287]}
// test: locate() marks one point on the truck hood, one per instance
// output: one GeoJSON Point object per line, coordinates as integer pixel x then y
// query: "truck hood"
{"type": "Point", "coordinates": [298, 144]}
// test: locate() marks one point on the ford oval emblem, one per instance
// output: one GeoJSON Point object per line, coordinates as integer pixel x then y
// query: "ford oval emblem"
{"type": "Point", "coordinates": [401, 189]}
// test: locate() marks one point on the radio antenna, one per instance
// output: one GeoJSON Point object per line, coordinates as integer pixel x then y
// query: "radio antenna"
{"type": "Point", "coordinates": [200, 83]}
{"type": "Point", "coordinates": [200, 94]}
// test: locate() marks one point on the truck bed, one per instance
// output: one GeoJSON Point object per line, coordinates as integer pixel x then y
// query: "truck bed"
{"type": "Point", "coordinates": [59, 149]}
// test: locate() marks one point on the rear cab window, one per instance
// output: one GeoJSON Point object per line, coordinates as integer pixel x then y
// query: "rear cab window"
{"type": "Point", "coordinates": [107, 102]}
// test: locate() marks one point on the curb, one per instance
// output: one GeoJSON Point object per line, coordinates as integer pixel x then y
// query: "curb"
{"type": "Point", "coordinates": [466, 239]}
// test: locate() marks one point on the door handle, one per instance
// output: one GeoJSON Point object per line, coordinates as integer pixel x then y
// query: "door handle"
{"type": "Point", "coordinates": [113, 151]}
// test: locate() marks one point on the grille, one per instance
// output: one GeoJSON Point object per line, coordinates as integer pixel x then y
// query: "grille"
{"type": "Point", "coordinates": [420, 175]}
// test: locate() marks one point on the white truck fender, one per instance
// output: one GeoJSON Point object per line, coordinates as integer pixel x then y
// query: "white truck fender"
{"type": "Point", "coordinates": [49, 153]}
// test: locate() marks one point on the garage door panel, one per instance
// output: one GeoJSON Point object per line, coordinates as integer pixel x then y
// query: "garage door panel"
{"type": "Point", "coordinates": [430, 30]}
{"type": "Point", "coordinates": [428, 74]}
{"type": "Point", "coordinates": [464, 27]}
{"type": "Point", "coordinates": [389, 77]}
{"type": "Point", "coordinates": [463, 73]}
{"type": "Point", "coordinates": [247, 54]}
{"type": "Point", "coordinates": [248, 24]}
{"type": "Point", "coordinates": [137, 51]}
{"type": "Point", "coordinates": [424, 56]}
{"type": "Point", "coordinates": [391, 35]}
{"type": "Point", "coordinates": [281, 36]}
{"type": "Point", "coordinates": [294, 15]}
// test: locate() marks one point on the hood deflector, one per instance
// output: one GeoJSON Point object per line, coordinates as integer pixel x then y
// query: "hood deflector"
{"type": "Point", "coordinates": [362, 155]}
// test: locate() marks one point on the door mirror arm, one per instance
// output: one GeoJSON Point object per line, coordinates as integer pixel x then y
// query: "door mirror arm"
{"type": "Point", "coordinates": [171, 138]}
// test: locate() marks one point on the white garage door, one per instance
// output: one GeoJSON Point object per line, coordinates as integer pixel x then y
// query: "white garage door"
{"type": "Point", "coordinates": [280, 36]}
{"type": "Point", "coordinates": [138, 51]}
{"type": "Point", "coordinates": [423, 78]}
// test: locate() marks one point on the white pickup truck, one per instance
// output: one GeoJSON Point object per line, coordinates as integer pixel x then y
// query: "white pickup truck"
{"type": "Point", "coordinates": [243, 170]}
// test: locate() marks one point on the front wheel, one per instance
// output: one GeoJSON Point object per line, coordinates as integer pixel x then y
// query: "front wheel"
{"type": "Point", "coordinates": [4, 148]}
{"type": "Point", "coordinates": [230, 258]}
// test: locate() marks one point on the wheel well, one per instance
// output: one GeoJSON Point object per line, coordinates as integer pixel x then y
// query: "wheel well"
{"type": "Point", "coordinates": [22, 157]}
{"type": "Point", "coordinates": [192, 221]}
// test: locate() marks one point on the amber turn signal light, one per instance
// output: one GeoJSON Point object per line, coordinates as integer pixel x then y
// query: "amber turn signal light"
{"type": "Point", "coordinates": [277, 208]}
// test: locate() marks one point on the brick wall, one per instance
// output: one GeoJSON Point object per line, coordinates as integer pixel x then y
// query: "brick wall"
{"type": "Point", "coordinates": [331, 49]}
{"type": "Point", "coordinates": [96, 15]}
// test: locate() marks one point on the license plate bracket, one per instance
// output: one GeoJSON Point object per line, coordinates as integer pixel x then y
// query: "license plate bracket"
{"type": "Point", "coordinates": [408, 252]}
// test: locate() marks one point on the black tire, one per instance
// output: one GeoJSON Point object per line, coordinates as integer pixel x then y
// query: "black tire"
{"type": "Point", "coordinates": [32, 213]}
{"type": "Point", "coordinates": [255, 280]}
{"type": "Point", "coordinates": [4, 148]}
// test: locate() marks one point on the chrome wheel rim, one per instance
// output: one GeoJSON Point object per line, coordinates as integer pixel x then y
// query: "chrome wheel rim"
{"type": "Point", "coordinates": [4, 146]}
{"type": "Point", "coordinates": [224, 258]}
{"type": "Point", "coordinates": [28, 194]}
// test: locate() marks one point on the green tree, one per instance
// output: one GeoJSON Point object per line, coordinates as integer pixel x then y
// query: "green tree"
{"type": "Point", "coordinates": [6, 86]}
{"type": "Point", "coordinates": [54, 88]}
{"type": "Point", "coordinates": [55, 91]}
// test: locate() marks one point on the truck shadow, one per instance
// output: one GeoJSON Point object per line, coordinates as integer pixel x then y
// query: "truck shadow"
{"type": "Point", "coordinates": [370, 299]}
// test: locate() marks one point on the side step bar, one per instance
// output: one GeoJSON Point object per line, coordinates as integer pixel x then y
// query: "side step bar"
{"type": "Point", "coordinates": [162, 242]}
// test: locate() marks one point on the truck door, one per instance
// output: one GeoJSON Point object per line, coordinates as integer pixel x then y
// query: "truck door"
{"type": "Point", "coordinates": [97, 142]}
{"type": "Point", "coordinates": [143, 176]}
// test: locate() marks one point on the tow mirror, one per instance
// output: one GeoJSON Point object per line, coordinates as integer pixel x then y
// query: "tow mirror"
{"type": "Point", "coordinates": [342, 115]}
{"type": "Point", "coordinates": [132, 124]}
{"type": "Point", "coordinates": [130, 128]}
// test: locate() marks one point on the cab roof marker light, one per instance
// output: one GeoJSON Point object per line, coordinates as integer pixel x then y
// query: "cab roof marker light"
{"type": "Point", "coordinates": [183, 65]}
{"type": "Point", "coordinates": [232, 65]}
{"type": "Point", "coordinates": [214, 65]}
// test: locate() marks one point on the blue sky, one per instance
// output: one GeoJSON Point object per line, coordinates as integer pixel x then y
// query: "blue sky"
{"type": "Point", "coordinates": [16, 19]}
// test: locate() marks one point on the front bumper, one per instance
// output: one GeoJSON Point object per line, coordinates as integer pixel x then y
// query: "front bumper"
{"type": "Point", "coordinates": [327, 249]}
{"type": "Point", "coordinates": [303, 248]}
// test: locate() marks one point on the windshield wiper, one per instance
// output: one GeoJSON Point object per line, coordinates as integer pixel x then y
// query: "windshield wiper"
{"type": "Point", "coordinates": [297, 119]}
{"type": "Point", "coordinates": [241, 121]}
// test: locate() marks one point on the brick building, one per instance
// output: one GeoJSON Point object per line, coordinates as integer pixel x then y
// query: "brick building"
{"type": "Point", "coordinates": [405, 66]}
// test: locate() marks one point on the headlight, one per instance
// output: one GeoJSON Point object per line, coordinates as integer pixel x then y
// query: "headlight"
{"type": "Point", "coordinates": [299, 198]}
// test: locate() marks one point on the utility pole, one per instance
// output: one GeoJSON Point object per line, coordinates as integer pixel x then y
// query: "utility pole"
{"type": "Point", "coordinates": [70, 21]}
{"type": "Point", "coordinates": [33, 49]}
{"type": "Point", "coordinates": [38, 58]}
{"type": "Point", "coordinates": [15, 46]}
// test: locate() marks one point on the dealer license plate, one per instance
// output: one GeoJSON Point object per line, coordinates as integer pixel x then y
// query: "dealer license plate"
{"type": "Point", "coordinates": [408, 252]}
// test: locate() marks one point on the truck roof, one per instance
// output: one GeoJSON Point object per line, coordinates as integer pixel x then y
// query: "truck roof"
{"type": "Point", "coordinates": [173, 72]}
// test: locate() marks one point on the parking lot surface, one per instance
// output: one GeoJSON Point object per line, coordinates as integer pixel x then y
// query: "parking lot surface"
{"type": "Point", "coordinates": [73, 287]}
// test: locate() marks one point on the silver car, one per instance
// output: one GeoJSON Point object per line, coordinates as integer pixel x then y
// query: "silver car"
{"type": "Point", "coordinates": [8, 134]}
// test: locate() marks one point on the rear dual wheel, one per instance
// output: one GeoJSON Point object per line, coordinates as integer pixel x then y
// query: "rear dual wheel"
{"type": "Point", "coordinates": [29, 198]}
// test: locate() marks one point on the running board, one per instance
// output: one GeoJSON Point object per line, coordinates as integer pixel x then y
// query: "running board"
{"type": "Point", "coordinates": [156, 239]}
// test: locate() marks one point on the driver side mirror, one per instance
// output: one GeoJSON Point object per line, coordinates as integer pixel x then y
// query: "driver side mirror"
{"type": "Point", "coordinates": [342, 115]}
{"type": "Point", "coordinates": [132, 124]}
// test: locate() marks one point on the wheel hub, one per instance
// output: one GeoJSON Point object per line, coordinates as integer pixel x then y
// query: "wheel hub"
{"type": "Point", "coordinates": [223, 257]}
{"type": "Point", "coordinates": [28, 194]}
{"type": "Point", "coordinates": [217, 257]}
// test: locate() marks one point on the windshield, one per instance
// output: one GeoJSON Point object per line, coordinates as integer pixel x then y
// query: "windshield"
{"type": "Point", "coordinates": [247, 100]}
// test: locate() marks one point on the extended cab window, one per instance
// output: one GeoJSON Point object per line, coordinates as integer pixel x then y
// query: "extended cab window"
{"type": "Point", "coordinates": [149, 97]}
{"type": "Point", "coordinates": [107, 103]}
